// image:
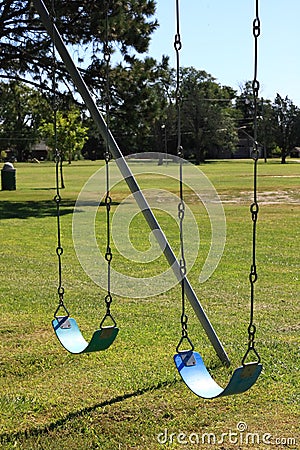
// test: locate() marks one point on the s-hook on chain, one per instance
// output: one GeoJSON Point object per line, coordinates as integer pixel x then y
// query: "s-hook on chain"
{"type": "Point", "coordinates": [254, 208]}
{"type": "Point", "coordinates": [107, 158]}
{"type": "Point", "coordinates": [181, 205]}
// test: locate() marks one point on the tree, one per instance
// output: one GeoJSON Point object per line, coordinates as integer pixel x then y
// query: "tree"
{"type": "Point", "coordinates": [207, 113]}
{"type": "Point", "coordinates": [136, 102]}
{"type": "Point", "coordinates": [245, 106]}
{"type": "Point", "coordinates": [286, 117]}
{"type": "Point", "coordinates": [21, 111]}
{"type": "Point", "coordinates": [265, 119]}
{"type": "Point", "coordinates": [266, 134]}
{"type": "Point", "coordinates": [26, 49]}
{"type": "Point", "coordinates": [69, 136]}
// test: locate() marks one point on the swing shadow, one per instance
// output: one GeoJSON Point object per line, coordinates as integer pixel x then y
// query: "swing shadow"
{"type": "Point", "coordinates": [39, 209]}
{"type": "Point", "coordinates": [39, 431]}
{"type": "Point", "coordinates": [43, 208]}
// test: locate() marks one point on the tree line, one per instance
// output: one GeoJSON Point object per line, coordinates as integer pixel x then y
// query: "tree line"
{"type": "Point", "coordinates": [138, 92]}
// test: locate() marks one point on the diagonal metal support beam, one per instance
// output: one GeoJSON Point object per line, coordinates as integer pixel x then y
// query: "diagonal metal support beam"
{"type": "Point", "coordinates": [129, 178]}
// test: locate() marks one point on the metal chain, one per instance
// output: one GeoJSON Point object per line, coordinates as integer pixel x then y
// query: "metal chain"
{"type": "Point", "coordinates": [59, 248]}
{"type": "Point", "coordinates": [107, 157]}
{"type": "Point", "coordinates": [181, 205]}
{"type": "Point", "coordinates": [57, 158]}
{"type": "Point", "coordinates": [254, 208]}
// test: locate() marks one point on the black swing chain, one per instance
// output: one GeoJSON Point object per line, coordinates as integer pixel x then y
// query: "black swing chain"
{"type": "Point", "coordinates": [181, 205]}
{"type": "Point", "coordinates": [57, 159]}
{"type": "Point", "coordinates": [254, 208]}
{"type": "Point", "coordinates": [107, 158]}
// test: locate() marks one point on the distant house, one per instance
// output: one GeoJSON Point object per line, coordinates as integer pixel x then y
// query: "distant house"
{"type": "Point", "coordinates": [243, 149]}
{"type": "Point", "coordinates": [39, 151]}
{"type": "Point", "coordinates": [295, 153]}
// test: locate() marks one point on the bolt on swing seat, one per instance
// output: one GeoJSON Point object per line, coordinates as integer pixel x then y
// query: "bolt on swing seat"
{"type": "Point", "coordinates": [195, 375]}
{"type": "Point", "coordinates": [71, 338]}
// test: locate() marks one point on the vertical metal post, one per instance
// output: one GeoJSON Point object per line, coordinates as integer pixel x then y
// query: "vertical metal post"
{"type": "Point", "coordinates": [129, 178]}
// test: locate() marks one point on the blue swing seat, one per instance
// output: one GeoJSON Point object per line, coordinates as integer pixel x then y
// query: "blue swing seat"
{"type": "Point", "coordinates": [69, 335]}
{"type": "Point", "coordinates": [193, 372]}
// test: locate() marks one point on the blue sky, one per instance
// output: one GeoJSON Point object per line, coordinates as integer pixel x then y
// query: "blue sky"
{"type": "Point", "coordinates": [217, 37]}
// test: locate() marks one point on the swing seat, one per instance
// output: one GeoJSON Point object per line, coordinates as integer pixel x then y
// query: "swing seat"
{"type": "Point", "coordinates": [69, 335]}
{"type": "Point", "coordinates": [193, 372]}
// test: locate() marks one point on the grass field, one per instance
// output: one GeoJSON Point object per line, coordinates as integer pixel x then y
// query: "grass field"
{"type": "Point", "coordinates": [131, 396]}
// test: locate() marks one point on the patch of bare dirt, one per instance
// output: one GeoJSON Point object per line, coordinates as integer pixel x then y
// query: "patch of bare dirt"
{"type": "Point", "coordinates": [267, 197]}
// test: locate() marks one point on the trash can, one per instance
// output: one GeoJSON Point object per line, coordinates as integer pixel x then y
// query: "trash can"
{"type": "Point", "coordinates": [8, 177]}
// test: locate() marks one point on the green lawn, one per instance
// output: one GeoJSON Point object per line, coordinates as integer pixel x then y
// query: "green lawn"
{"type": "Point", "coordinates": [131, 396]}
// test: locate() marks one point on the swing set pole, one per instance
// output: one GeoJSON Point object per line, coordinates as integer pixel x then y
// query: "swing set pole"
{"type": "Point", "coordinates": [129, 178]}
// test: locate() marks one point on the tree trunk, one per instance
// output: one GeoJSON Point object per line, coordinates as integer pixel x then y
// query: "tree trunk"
{"type": "Point", "coordinates": [199, 154]}
{"type": "Point", "coordinates": [283, 156]}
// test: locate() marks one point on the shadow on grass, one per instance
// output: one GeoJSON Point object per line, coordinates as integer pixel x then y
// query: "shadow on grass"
{"type": "Point", "coordinates": [6, 438]}
{"type": "Point", "coordinates": [39, 209]}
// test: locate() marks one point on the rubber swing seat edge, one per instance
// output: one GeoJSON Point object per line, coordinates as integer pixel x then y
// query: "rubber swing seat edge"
{"type": "Point", "coordinates": [195, 375]}
{"type": "Point", "coordinates": [71, 338]}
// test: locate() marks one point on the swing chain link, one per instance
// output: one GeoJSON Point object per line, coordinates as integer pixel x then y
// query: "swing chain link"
{"type": "Point", "coordinates": [181, 204]}
{"type": "Point", "coordinates": [181, 210]}
{"type": "Point", "coordinates": [106, 57]}
{"type": "Point", "coordinates": [184, 322]}
{"type": "Point", "coordinates": [177, 42]}
{"type": "Point", "coordinates": [184, 335]}
{"type": "Point", "coordinates": [61, 304]}
{"type": "Point", "coordinates": [58, 159]}
{"type": "Point", "coordinates": [107, 157]}
{"type": "Point", "coordinates": [255, 82]}
{"type": "Point", "coordinates": [254, 208]}
{"type": "Point", "coordinates": [106, 52]}
{"type": "Point", "coordinates": [108, 254]}
{"type": "Point", "coordinates": [182, 261]}
{"type": "Point", "coordinates": [59, 248]}
{"type": "Point", "coordinates": [108, 301]}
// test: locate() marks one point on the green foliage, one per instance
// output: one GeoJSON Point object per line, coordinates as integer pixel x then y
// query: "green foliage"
{"type": "Point", "coordinates": [82, 25]}
{"type": "Point", "coordinates": [21, 111]}
{"type": "Point", "coordinates": [3, 155]}
{"type": "Point", "coordinates": [70, 134]}
{"type": "Point", "coordinates": [138, 103]}
{"type": "Point", "coordinates": [207, 113]}
{"type": "Point", "coordinates": [141, 91]}
{"type": "Point", "coordinates": [125, 397]}
{"type": "Point", "coordinates": [276, 152]}
{"type": "Point", "coordinates": [278, 121]}
{"type": "Point", "coordinates": [287, 119]}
